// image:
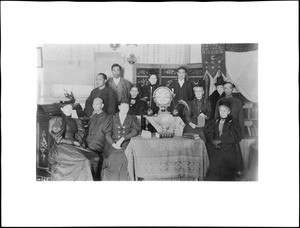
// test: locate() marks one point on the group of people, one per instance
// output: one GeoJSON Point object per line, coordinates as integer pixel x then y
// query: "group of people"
{"type": "Point", "coordinates": [112, 108]}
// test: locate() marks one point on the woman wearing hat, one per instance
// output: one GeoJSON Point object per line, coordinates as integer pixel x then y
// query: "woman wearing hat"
{"type": "Point", "coordinates": [122, 128]}
{"type": "Point", "coordinates": [216, 95]}
{"type": "Point", "coordinates": [69, 159]}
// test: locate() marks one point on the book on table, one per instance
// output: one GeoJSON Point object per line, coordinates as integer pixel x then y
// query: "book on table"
{"type": "Point", "coordinates": [191, 135]}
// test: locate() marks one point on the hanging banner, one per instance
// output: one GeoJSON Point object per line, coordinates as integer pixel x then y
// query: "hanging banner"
{"type": "Point", "coordinates": [213, 58]}
{"type": "Point", "coordinates": [241, 47]}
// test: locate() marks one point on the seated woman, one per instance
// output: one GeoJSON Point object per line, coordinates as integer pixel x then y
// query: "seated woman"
{"type": "Point", "coordinates": [216, 95]}
{"type": "Point", "coordinates": [195, 108]}
{"type": "Point", "coordinates": [223, 135]}
{"type": "Point", "coordinates": [137, 106]}
{"type": "Point", "coordinates": [148, 89]}
{"type": "Point", "coordinates": [147, 94]}
{"type": "Point", "coordinates": [69, 159]}
{"type": "Point", "coordinates": [122, 128]}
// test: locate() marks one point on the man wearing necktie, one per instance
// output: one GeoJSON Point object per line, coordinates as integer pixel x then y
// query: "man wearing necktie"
{"type": "Point", "coordinates": [182, 89]}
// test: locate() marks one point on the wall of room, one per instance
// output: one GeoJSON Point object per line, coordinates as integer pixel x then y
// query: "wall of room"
{"type": "Point", "coordinates": [72, 67]}
{"type": "Point", "coordinates": [195, 53]}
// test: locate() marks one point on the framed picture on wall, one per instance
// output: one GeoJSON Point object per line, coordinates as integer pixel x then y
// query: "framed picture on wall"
{"type": "Point", "coordinates": [39, 57]}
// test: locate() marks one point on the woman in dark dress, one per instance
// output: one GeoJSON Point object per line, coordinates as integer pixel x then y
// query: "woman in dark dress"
{"type": "Point", "coordinates": [137, 106]}
{"type": "Point", "coordinates": [223, 136]}
{"type": "Point", "coordinates": [69, 159]}
{"type": "Point", "coordinates": [122, 128]}
{"type": "Point", "coordinates": [147, 94]}
{"type": "Point", "coordinates": [216, 95]}
{"type": "Point", "coordinates": [195, 108]}
{"type": "Point", "coordinates": [148, 89]}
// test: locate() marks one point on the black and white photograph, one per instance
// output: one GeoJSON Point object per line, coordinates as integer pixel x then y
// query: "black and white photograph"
{"type": "Point", "coordinates": [150, 114]}
{"type": "Point", "coordinates": [147, 112]}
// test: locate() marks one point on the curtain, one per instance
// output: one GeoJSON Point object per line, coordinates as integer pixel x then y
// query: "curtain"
{"type": "Point", "coordinates": [241, 69]}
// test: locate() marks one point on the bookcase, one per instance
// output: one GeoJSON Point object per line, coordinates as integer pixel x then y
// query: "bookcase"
{"type": "Point", "coordinates": [249, 141]}
{"type": "Point", "coordinates": [166, 73]}
{"type": "Point", "coordinates": [250, 110]}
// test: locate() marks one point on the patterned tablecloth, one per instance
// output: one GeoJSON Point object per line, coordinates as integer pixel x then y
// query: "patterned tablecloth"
{"type": "Point", "coordinates": [167, 159]}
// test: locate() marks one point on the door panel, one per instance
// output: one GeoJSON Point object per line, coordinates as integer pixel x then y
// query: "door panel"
{"type": "Point", "coordinates": [104, 61]}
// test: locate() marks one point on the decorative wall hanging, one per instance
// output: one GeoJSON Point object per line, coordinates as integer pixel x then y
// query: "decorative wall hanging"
{"type": "Point", "coordinates": [131, 59]}
{"type": "Point", "coordinates": [114, 46]}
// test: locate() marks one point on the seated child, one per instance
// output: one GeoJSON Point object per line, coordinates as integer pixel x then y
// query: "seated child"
{"type": "Point", "coordinates": [98, 127]}
{"type": "Point", "coordinates": [198, 106]}
{"type": "Point", "coordinates": [223, 136]}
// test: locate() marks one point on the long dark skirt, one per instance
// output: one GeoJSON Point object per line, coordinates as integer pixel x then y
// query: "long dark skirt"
{"type": "Point", "coordinates": [69, 164]}
{"type": "Point", "coordinates": [222, 164]}
{"type": "Point", "coordinates": [115, 165]}
{"type": "Point", "coordinates": [197, 130]}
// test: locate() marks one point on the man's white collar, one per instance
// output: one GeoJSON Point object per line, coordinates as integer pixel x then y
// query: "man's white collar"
{"type": "Point", "coordinates": [180, 82]}
{"type": "Point", "coordinates": [116, 80]}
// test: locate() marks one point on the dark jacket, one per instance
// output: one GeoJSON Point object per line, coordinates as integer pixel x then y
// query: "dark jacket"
{"type": "Point", "coordinates": [129, 129]}
{"type": "Point", "coordinates": [98, 127]}
{"type": "Point", "coordinates": [213, 98]}
{"type": "Point", "coordinates": [147, 91]}
{"type": "Point", "coordinates": [185, 93]}
{"type": "Point", "coordinates": [223, 161]}
{"type": "Point", "coordinates": [122, 90]}
{"type": "Point", "coordinates": [137, 107]}
{"type": "Point", "coordinates": [236, 111]}
{"type": "Point", "coordinates": [107, 95]}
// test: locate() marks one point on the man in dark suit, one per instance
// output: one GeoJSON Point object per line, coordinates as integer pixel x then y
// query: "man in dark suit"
{"type": "Point", "coordinates": [119, 85]}
{"type": "Point", "coordinates": [182, 89]}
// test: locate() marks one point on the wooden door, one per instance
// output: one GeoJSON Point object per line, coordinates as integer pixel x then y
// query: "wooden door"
{"type": "Point", "coordinates": [104, 61]}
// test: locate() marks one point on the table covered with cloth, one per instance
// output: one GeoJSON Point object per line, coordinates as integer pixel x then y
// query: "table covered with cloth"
{"type": "Point", "coordinates": [167, 158]}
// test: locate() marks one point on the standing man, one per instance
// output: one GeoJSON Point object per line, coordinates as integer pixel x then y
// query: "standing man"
{"type": "Point", "coordinates": [182, 89]}
{"type": "Point", "coordinates": [105, 93]}
{"type": "Point", "coordinates": [237, 114]}
{"type": "Point", "coordinates": [119, 85]}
